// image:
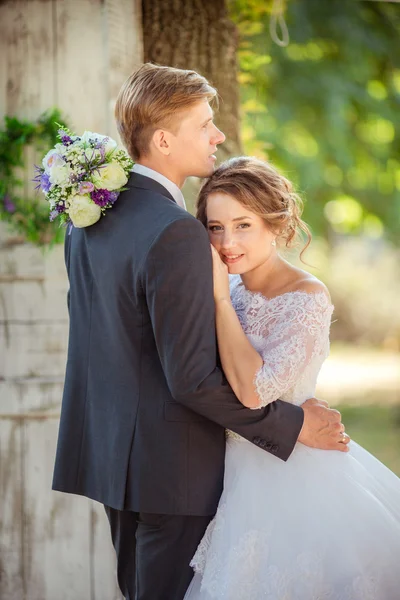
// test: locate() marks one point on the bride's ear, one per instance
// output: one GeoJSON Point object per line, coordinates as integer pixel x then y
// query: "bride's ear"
{"type": "Point", "coordinates": [161, 142]}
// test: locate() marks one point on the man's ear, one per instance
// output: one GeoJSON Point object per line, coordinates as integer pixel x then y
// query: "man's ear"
{"type": "Point", "coordinates": [161, 141]}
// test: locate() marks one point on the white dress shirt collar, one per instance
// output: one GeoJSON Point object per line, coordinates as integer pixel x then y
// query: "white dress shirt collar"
{"type": "Point", "coordinates": [164, 181]}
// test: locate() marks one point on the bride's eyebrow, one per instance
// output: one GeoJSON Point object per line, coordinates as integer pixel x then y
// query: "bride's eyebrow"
{"type": "Point", "coordinates": [237, 219]}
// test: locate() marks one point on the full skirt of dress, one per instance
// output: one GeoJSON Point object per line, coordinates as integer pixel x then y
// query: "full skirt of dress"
{"type": "Point", "coordinates": [324, 525]}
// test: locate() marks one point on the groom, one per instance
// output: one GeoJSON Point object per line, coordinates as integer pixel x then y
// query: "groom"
{"type": "Point", "coordinates": [145, 405]}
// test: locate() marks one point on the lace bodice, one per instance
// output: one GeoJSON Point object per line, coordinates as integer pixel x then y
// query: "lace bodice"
{"type": "Point", "coordinates": [291, 333]}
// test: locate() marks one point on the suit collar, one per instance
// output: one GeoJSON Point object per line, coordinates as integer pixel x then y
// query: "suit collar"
{"type": "Point", "coordinates": [145, 183]}
{"type": "Point", "coordinates": [173, 189]}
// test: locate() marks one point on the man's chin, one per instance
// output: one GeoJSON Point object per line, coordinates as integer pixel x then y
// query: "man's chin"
{"type": "Point", "coordinates": [204, 172]}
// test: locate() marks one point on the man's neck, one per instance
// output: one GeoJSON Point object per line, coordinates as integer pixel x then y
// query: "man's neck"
{"type": "Point", "coordinates": [163, 170]}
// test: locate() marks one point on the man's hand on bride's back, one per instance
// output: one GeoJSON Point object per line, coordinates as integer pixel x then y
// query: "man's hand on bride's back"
{"type": "Point", "coordinates": [322, 427]}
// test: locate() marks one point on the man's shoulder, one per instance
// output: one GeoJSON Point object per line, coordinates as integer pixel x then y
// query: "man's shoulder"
{"type": "Point", "coordinates": [152, 202]}
{"type": "Point", "coordinates": [180, 227]}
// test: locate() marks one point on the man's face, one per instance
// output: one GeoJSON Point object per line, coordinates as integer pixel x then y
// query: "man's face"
{"type": "Point", "coordinates": [194, 143]}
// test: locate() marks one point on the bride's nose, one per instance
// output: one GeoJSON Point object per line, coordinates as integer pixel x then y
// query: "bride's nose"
{"type": "Point", "coordinates": [228, 240]}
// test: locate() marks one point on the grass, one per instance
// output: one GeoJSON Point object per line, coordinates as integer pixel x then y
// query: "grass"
{"type": "Point", "coordinates": [376, 427]}
{"type": "Point", "coordinates": [364, 384]}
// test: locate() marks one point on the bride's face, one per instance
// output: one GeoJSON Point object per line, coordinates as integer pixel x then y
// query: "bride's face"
{"type": "Point", "coordinates": [241, 237]}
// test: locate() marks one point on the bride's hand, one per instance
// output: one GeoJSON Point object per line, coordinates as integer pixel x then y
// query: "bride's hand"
{"type": "Point", "coordinates": [220, 277]}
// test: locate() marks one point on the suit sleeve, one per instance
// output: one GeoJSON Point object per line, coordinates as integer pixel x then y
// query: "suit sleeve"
{"type": "Point", "coordinates": [178, 283]}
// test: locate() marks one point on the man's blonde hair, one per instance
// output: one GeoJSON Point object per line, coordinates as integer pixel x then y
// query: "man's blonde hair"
{"type": "Point", "coordinates": [151, 98]}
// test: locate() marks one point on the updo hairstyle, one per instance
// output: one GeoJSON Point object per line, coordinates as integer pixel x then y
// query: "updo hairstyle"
{"type": "Point", "coordinates": [264, 191]}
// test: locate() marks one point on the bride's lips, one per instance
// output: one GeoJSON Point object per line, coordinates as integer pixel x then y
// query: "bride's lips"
{"type": "Point", "coordinates": [232, 259]}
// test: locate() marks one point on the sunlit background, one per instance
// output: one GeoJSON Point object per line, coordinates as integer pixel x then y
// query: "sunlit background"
{"type": "Point", "coordinates": [326, 110]}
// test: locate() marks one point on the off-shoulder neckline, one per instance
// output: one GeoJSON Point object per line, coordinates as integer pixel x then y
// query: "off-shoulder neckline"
{"type": "Point", "coordinates": [243, 288]}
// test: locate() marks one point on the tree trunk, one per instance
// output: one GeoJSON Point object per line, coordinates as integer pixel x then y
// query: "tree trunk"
{"type": "Point", "coordinates": [198, 35]}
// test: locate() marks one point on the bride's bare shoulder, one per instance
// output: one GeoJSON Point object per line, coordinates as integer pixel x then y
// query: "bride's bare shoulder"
{"type": "Point", "coordinates": [311, 285]}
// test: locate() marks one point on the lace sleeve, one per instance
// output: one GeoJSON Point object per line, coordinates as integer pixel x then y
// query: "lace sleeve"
{"type": "Point", "coordinates": [289, 341]}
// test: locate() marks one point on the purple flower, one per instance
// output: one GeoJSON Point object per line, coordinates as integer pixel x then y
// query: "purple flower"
{"type": "Point", "coordinates": [113, 196]}
{"type": "Point", "coordinates": [45, 182]}
{"type": "Point", "coordinates": [86, 187]}
{"type": "Point", "coordinates": [99, 143]}
{"type": "Point", "coordinates": [57, 210]}
{"type": "Point", "coordinates": [102, 197]}
{"type": "Point", "coordinates": [102, 151]}
{"type": "Point", "coordinates": [64, 137]}
{"type": "Point", "coordinates": [38, 177]}
{"type": "Point", "coordinates": [9, 206]}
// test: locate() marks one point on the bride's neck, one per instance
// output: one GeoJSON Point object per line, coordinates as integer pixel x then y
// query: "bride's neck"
{"type": "Point", "coordinates": [265, 276]}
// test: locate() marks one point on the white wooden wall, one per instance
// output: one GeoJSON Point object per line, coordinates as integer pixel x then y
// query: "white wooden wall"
{"type": "Point", "coordinates": [73, 54]}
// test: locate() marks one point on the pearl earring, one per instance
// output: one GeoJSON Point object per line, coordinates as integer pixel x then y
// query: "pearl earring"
{"type": "Point", "coordinates": [273, 243]}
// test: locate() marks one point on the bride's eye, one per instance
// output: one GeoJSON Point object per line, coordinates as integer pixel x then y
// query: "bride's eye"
{"type": "Point", "coordinates": [244, 225]}
{"type": "Point", "coordinates": [214, 228]}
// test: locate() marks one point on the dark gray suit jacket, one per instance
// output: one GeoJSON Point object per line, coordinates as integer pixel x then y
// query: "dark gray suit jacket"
{"type": "Point", "coordinates": [145, 405]}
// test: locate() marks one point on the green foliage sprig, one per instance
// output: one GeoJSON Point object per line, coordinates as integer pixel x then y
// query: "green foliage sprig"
{"type": "Point", "coordinates": [27, 214]}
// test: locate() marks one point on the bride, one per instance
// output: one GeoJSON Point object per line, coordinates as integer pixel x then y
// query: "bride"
{"type": "Point", "coordinates": [325, 525]}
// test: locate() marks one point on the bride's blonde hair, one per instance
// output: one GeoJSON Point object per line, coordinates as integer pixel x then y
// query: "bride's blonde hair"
{"type": "Point", "coordinates": [258, 186]}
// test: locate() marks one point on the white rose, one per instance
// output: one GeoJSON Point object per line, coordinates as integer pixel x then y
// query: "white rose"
{"type": "Point", "coordinates": [83, 212]}
{"type": "Point", "coordinates": [60, 148]}
{"type": "Point", "coordinates": [110, 177]}
{"type": "Point", "coordinates": [89, 135]}
{"type": "Point", "coordinates": [52, 159]}
{"type": "Point", "coordinates": [59, 174]}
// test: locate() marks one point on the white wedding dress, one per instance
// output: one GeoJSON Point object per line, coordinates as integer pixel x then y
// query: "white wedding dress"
{"type": "Point", "coordinates": [325, 525]}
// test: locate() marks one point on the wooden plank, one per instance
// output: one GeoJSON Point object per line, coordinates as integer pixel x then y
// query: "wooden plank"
{"type": "Point", "coordinates": [4, 15]}
{"type": "Point", "coordinates": [33, 416]}
{"type": "Point", "coordinates": [33, 299]}
{"type": "Point", "coordinates": [26, 30]}
{"type": "Point", "coordinates": [30, 396]}
{"type": "Point", "coordinates": [124, 49]}
{"type": "Point", "coordinates": [104, 564]}
{"type": "Point", "coordinates": [56, 526]}
{"type": "Point", "coordinates": [33, 350]}
{"type": "Point", "coordinates": [81, 86]}
{"type": "Point", "coordinates": [22, 260]}
{"type": "Point", "coordinates": [11, 512]}
{"type": "Point", "coordinates": [29, 68]}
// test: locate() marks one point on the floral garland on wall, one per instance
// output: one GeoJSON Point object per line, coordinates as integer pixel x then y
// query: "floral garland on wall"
{"type": "Point", "coordinates": [28, 216]}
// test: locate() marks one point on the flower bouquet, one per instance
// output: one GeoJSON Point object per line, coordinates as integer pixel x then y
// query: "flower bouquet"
{"type": "Point", "coordinates": [82, 177]}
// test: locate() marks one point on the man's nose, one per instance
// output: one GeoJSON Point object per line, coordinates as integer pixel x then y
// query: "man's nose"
{"type": "Point", "coordinates": [218, 137]}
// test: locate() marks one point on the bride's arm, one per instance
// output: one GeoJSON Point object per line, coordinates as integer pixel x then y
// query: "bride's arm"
{"type": "Point", "coordinates": [240, 361]}
{"type": "Point", "coordinates": [261, 378]}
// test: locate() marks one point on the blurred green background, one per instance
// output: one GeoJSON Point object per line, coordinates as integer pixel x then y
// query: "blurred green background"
{"type": "Point", "coordinates": [325, 109]}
